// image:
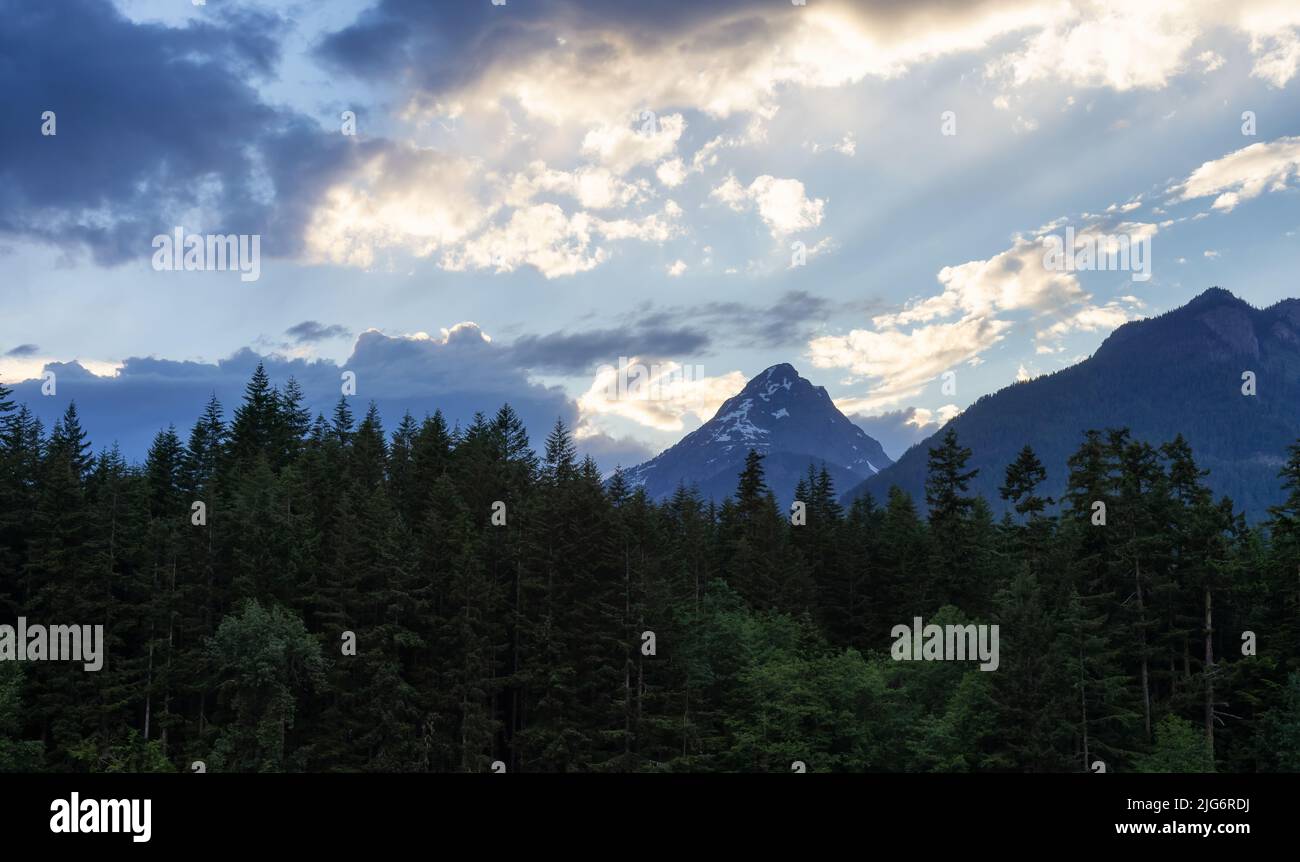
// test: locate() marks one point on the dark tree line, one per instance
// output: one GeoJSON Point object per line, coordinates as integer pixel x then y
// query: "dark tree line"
{"type": "Point", "coordinates": [597, 630]}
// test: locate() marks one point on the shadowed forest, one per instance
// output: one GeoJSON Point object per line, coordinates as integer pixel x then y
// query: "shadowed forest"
{"type": "Point", "coordinates": [596, 630]}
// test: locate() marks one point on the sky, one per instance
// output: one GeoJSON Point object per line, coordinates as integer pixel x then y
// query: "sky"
{"type": "Point", "coordinates": [472, 203]}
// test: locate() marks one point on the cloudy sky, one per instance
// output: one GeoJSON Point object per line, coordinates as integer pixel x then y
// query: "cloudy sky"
{"type": "Point", "coordinates": [537, 188]}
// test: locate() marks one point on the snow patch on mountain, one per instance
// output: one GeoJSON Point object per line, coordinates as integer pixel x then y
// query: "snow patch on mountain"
{"type": "Point", "coordinates": [782, 416]}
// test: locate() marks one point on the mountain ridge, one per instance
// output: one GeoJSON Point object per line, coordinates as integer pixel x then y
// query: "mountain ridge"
{"type": "Point", "coordinates": [784, 417]}
{"type": "Point", "coordinates": [1177, 372]}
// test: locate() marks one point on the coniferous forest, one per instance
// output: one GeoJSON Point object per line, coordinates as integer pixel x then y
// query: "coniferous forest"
{"type": "Point", "coordinates": [598, 631]}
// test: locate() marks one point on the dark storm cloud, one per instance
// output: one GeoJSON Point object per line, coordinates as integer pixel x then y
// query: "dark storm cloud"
{"type": "Point", "coordinates": [444, 45]}
{"type": "Point", "coordinates": [791, 320]}
{"type": "Point", "coordinates": [584, 352]}
{"type": "Point", "coordinates": [453, 42]}
{"type": "Point", "coordinates": [462, 375]}
{"type": "Point", "coordinates": [372, 47]}
{"type": "Point", "coordinates": [23, 350]}
{"type": "Point", "coordinates": [310, 331]}
{"type": "Point", "coordinates": [151, 121]}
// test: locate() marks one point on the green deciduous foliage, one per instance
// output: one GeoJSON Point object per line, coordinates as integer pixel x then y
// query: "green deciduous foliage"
{"type": "Point", "coordinates": [1179, 748]}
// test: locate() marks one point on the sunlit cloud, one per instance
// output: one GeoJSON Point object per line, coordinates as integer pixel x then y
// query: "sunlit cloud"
{"type": "Point", "coordinates": [782, 204]}
{"type": "Point", "coordinates": [661, 399]}
{"type": "Point", "coordinates": [900, 364]}
{"type": "Point", "coordinates": [1244, 174]}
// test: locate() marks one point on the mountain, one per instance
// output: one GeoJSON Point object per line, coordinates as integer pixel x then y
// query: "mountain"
{"type": "Point", "coordinates": [782, 416]}
{"type": "Point", "coordinates": [1181, 372]}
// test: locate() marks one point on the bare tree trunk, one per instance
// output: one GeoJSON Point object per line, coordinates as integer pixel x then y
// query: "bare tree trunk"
{"type": "Point", "coordinates": [108, 582]}
{"type": "Point", "coordinates": [148, 684]}
{"type": "Point", "coordinates": [1083, 703]}
{"type": "Point", "coordinates": [519, 702]}
{"type": "Point", "coordinates": [640, 659]}
{"type": "Point", "coordinates": [148, 676]}
{"type": "Point", "coordinates": [171, 619]}
{"type": "Point", "coordinates": [1209, 671]}
{"type": "Point", "coordinates": [686, 717]}
{"type": "Point", "coordinates": [627, 661]}
{"type": "Point", "coordinates": [1142, 628]}
{"type": "Point", "coordinates": [207, 624]}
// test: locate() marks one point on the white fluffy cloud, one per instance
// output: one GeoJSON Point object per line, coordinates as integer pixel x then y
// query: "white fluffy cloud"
{"type": "Point", "coordinates": [1011, 280]}
{"type": "Point", "coordinates": [1244, 174]}
{"type": "Point", "coordinates": [738, 59]}
{"type": "Point", "coordinates": [671, 173]}
{"type": "Point", "coordinates": [1090, 318]}
{"type": "Point", "coordinates": [734, 61]}
{"type": "Point", "coordinates": [1122, 44]}
{"type": "Point", "coordinates": [595, 188]}
{"type": "Point", "coordinates": [542, 236]}
{"type": "Point", "coordinates": [657, 228]}
{"type": "Point", "coordinates": [584, 103]}
{"type": "Point", "coordinates": [1274, 30]}
{"type": "Point", "coordinates": [554, 242]}
{"type": "Point", "coordinates": [621, 147]}
{"type": "Point", "coordinates": [909, 348]}
{"type": "Point", "coordinates": [1016, 280]}
{"type": "Point", "coordinates": [1142, 44]}
{"type": "Point", "coordinates": [660, 399]}
{"type": "Point", "coordinates": [782, 203]}
{"type": "Point", "coordinates": [408, 198]}
{"type": "Point", "coordinates": [902, 363]}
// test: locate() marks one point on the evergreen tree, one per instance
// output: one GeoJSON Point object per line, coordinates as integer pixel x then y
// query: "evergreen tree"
{"type": "Point", "coordinates": [527, 639]}
{"type": "Point", "coordinates": [951, 510]}
{"type": "Point", "coordinates": [1024, 475]}
{"type": "Point", "coordinates": [295, 423]}
{"type": "Point", "coordinates": [760, 564]}
{"type": "Point", "coordinates": [258, 421]}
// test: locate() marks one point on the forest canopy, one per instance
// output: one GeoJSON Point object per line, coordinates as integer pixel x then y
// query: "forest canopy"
{"type": "Point", "coordinates": [443, 599]}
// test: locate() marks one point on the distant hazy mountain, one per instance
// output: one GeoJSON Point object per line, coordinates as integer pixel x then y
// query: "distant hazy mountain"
{"type": "Point", "coordinates": [782, 416]}
{"type": "Point", "coordinates": [1180, 372]}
